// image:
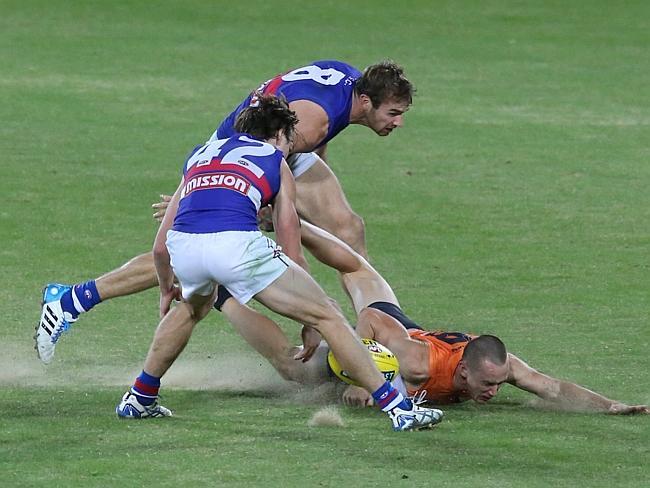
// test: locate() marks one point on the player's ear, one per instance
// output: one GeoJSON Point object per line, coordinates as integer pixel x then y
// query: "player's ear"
{"type": "Point", "coordinates": [463, 370]}
{"type": "Point", "coordinates": [366, 103]}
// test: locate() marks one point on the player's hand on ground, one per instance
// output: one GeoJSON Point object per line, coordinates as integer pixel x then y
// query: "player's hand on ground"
{"type": "Point", "coordinates": [167, 297]}
{"type": "Point", "coordinates": [355, 396]}
{"type": "Point", "coordinates": [161, 207]}
{"type": "Point", "coordinates": [310, 340]}
{"type": "Point", "coordinates": [622, 409]}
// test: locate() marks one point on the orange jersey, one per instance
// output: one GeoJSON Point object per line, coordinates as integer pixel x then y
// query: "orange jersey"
{"type": "Point", "coordinates": [445, 352]}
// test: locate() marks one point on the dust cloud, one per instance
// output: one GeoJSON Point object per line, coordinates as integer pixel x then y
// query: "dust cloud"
{"type": "Point", "coordinates": [20, 367]}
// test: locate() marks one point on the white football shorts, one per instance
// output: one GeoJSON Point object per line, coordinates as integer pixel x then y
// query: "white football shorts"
{"type": "Point", "coordinates": [244, 262]}
{"type": "Point", "coordinates": [301, 162]}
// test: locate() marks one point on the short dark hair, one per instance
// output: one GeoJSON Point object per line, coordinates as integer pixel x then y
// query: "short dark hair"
{"type": "Point", "coordinates": [485, 347]}
{"type": "Point", "coordinates": [385, 81]}
{"type": "Point", "coordinates": [267, 115]}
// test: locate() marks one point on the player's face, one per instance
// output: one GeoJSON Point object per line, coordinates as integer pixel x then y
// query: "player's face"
{"type": "Point", "coordinates": [484, 382]}
{"type": "Point", "coordinates": [388, 116]}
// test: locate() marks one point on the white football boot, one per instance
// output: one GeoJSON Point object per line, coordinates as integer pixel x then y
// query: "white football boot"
{"type": "Point", "coordinates": [416, 418]}
{"type": "Point", "coordinates": [131, 408]}
{"type": "Point", "coordinates": [54, 321]}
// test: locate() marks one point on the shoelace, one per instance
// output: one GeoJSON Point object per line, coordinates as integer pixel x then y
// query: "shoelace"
{"type": "Point", "coordinates": [419, 397]}
{"type": "Point", "coordinates": [65, 325]}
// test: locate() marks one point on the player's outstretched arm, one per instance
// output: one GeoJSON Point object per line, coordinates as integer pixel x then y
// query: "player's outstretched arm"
{"type": "Point", "coordinates": [287, 231]}
{"type": "Point", "coordinates": [563, 394]}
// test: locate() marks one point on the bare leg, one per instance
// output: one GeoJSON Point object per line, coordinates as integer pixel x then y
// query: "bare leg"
{"type": "Point", "coordinates": [136, 275]}
{"type": "Point", "coordinates": [362, 282]}
{"type": "Point", "coordinates": [62, 305]}
{"type": "Point", "coordinates": [413, 355]}
{"type": "Point", "coordinates": [296, 295]}
{"type": "Point", "coordinates": [318, 189]}
{"type": "Point", "coordinates": [173, 333]}
{"type": "Point", "coordinates": [267, 338]}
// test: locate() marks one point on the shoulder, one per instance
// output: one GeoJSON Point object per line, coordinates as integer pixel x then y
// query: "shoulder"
{"type": "Point", "coordinates": [338, 65]}
{"type": "Point", "coordinates": [518, 370]}
{"type": "Point", "coordinates": [244, 139]}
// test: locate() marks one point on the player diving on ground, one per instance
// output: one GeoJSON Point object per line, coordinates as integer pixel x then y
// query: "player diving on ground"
{"type": "Point", "coordinates": [439, 366]}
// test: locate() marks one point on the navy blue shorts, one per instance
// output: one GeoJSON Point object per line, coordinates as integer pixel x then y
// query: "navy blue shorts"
{"type": "Point", "coordinates": [395, 312]}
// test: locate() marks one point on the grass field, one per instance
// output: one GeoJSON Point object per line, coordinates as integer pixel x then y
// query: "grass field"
{"type": "Point", "coordinates": [513, 202]}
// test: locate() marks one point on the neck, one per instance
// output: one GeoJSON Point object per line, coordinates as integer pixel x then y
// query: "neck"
{"type": "Point", "coordinates": [357, 113]}
{"type": "Point", "coordinates": [281, 144]}
{"type": "Point", "coordinates": [459, 383]}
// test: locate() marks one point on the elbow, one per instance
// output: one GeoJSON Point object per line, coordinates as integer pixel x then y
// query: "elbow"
{"type": "Point", "coordinates": [158, 252]}
{"type": "Point", "coordinates": [553, 391]}
{"type": "Point", "coordinates": [552, 394]}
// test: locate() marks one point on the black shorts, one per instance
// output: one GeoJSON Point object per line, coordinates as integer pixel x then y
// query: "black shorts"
{"type": "Point", "coordinates": [395, 312]}
{"type": "Point", "coordinates": [386, 307]}
{"type": "Point", "coordinates": [222, 296]}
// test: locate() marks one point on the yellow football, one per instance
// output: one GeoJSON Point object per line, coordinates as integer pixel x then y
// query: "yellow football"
{"type": "Point", "coordinates": [385, 360]}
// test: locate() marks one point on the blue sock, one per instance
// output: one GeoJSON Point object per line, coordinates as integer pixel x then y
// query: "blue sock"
{"type": "Point", "coordinates": [80, 298]}
{"type": "Point", "coordinates": [146, 388]}
{"type": "Point", "coordinates": [387, 398]}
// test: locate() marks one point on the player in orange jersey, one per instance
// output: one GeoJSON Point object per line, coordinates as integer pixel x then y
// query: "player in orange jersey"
{"type": "Point", "coordinates": [441, 367]}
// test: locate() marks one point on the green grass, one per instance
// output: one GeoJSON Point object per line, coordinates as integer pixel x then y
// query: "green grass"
{"type": "Point", "coordinates": [514, 202]}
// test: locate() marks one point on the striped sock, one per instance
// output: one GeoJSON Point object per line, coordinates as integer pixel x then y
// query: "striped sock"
{"type": "Point", "coordinates": [146, 388]}
{"type": "Point", "coordinates": [387, 398]}
{"type": "Point", "coordinates": [85, 296]}
{"type": "Point", "coordinates": [80, 298]}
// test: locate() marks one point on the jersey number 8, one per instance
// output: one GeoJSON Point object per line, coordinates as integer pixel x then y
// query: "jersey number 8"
{"type": "Point", "coordinates": [328, 76]}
